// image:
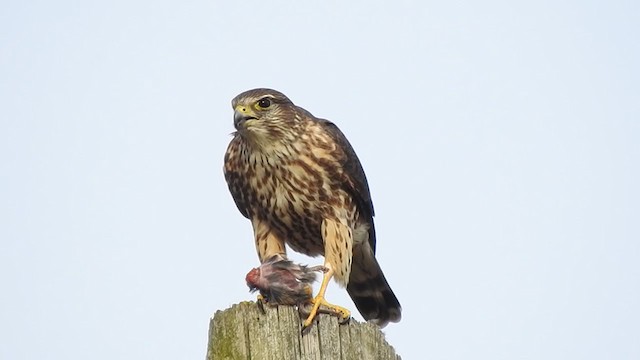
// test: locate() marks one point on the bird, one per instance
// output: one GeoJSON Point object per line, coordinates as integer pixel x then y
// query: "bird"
{"type": "Point", "coordinates": [299, 181]}
{"type": "Point", "coordinates": [282, 282]}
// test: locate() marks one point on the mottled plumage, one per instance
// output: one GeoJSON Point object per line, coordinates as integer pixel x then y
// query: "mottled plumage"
{"type": "Point", "coordinates": [282, 282]}
{"type": "Point", "coordinates": [299, 181]}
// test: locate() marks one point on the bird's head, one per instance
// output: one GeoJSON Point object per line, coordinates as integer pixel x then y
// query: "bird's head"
{"type": "Point", "coordinates": [253, 279]}
{"type": "Point", "coordinates": [264, 116]}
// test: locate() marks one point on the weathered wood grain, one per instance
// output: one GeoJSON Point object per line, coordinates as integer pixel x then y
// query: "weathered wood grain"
{"type": "Point", "coordinates": [243, 332]}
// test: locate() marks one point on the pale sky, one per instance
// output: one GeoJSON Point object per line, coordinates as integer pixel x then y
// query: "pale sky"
{"type": "Point", "coordinates": [500, 140]}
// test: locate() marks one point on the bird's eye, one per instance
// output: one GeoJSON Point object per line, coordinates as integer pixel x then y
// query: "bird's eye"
{"type": "Point", "coordinates": [264, 103]}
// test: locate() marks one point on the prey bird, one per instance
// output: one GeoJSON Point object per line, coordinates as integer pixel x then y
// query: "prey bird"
{"type": "Point", "coordinates": [282, 282]}
{"type": "Point", "coordinates": [300, 183]}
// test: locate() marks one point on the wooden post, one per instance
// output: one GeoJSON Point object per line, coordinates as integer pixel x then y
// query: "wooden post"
{"type": "Point", "coordinates": [243, 332]}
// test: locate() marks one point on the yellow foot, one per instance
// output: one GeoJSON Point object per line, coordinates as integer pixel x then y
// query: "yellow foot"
{"type": "Point", "coordinates": [319, 300]}
{"type": "Point", "coordinates": [320, 305]}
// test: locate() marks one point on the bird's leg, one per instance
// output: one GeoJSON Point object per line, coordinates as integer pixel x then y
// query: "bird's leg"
{"type": "Point", "coordinates": [269, 247]}
{"type": "Point", "coordinates": [320, 301]}
{"type": "Point", "coordinates": [268, 244]}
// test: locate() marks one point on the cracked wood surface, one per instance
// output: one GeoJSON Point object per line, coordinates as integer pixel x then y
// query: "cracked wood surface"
{"type": "Point", "coordinates": [243, 332]}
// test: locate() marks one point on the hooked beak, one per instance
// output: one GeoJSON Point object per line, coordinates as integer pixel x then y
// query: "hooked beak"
{"type": "Point", "coordinates": [241, 115]}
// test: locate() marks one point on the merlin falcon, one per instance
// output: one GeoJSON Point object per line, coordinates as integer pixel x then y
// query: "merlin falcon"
{"type": "Point", "coordinates": [299, 181]}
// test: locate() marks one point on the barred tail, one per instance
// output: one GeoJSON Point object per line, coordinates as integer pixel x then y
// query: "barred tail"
{"type": "Point", "coordinates": [370, 290]}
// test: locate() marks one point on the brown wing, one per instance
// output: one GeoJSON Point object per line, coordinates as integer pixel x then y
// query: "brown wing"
{"type": "Point", "coordinates": [367, 286]}
{"type": "Point", "coordinates": [236, 181]}
{"type": "Point", "coordinates": [356, 181]}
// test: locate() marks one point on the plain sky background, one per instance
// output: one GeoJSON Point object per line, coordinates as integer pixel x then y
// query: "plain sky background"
{"type": "Point", "coordinates": [500, 140]}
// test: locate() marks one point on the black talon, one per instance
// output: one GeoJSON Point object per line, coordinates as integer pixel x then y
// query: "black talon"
{"type": "Point", "coordinates": [260, 304]}
{"type": "Point", "coordinates": [305, 330]}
